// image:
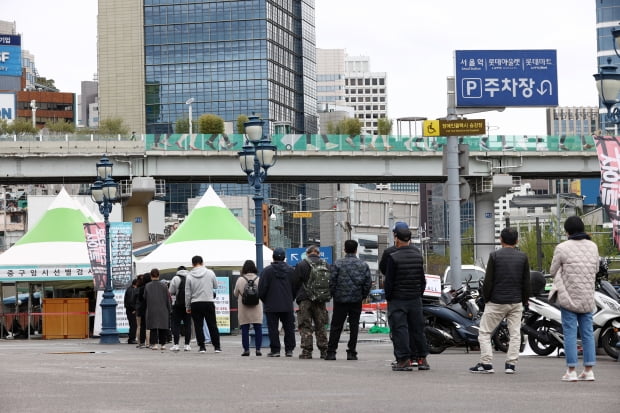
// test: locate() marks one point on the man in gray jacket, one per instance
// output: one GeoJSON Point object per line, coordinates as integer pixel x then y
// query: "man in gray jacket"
{"type": "Point", "coordinates": [200, 287]}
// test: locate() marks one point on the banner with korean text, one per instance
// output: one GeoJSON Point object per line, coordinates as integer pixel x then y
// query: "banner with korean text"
{"type": "Point", "coordinates": [608, 150]}
{"type": "Point", "coordinates": [95, 242]}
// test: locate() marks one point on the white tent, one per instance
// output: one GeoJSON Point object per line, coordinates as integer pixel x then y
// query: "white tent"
{"type": "Point", "coordinates": [53, 250]}
{"type": "Point", "coordinates": [212, 232]}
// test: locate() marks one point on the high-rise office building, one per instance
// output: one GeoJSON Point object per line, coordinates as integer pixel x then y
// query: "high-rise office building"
{"type": "Point", "coordinates": [234, 57]}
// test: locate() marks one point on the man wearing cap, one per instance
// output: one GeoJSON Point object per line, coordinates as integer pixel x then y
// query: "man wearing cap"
{"type": "Point", "coordinates": [383, 268]}
{"type": "Point", "coordinates": [275, 289]}
{"type": "Point", "coordinates": [404, 285]}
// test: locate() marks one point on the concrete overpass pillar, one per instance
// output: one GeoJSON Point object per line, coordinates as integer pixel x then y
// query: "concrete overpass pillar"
{"type": "Point", "coordinates": [484, 204]}
{"type": "Point", "coordinates": [135, 209]}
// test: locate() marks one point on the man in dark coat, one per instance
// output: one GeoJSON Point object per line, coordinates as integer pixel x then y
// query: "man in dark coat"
{"type": "Point", "coordinates": [130, 309]}
{"type": "Point", "coordinates": [404, 286]}
{"type": "Point", "coordinates": [275, 289]}
{"type": "Point", "coordinates": [349, 284]}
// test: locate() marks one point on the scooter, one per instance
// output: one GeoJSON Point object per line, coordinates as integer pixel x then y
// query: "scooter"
{"type": "Point", "coordinates": [455, 321]}
{"type": "Point", "coordinates": [543, 321]}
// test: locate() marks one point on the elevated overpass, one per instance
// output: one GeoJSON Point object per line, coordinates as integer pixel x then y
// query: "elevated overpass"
{"type": "Point", "coordinates": [301, 158]}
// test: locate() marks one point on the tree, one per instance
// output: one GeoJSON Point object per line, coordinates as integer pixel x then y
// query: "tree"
{"type": "Point", "coordinates": [182, 125]}
{"type": "Point", "coordinates": [113, 126]}
{"type": "Point", "coordinates": [21, 125]}
{"type": "Point", "coordinates": [60, 126]}
{"type": "Point", "coordinates": [332, 128]}
{"type": "Point", "coordinates": [210, 123]}
{"type": "Point", "coordinates": [241, 120]}
{"type": "Point", "coordinates": [350, 126]}
{"type": "Point", "coordinates": [384, 126]}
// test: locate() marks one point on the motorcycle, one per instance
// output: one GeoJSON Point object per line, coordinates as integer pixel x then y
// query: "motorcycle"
{"type": "Point", "coordinates": [455, 321]}
{"type": "Point", "coordinates": [543, 322]}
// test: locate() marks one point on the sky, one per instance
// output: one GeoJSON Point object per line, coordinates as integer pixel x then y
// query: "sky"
{"type": "Point", "coordinates": [413, 41]}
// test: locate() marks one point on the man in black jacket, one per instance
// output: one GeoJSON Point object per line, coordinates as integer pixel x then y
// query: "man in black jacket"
{"type": "Point", "coordinates": [349, 284]}
{"type": "Point", "coordinates": [506, 290]}
{"type": "Point", "coordinates": [404, 286]}
{"type": "Point", "coordinates": [275, 289]}
{"type": "Point", "coordinates": [129, 301]}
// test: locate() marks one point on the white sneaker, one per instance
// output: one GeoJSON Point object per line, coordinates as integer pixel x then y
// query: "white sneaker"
{"type": "Point", "coordinates": [570, 376]}
{"type": "Point", "coordinates": [331, 145]}
{"type": "Point", "coordinates": [586, 376]}
{"type": "Point", "coordinates": [175, 348]}
{"type": "Point", "coordinates": [187, 348]}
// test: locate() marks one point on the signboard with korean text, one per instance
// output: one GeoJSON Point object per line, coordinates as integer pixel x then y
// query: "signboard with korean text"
{"type": "Point", "coordinates": [500, 78]}
{"type": "Point", "coordinates": [294, 255]}
{"type": "Point", "coordinates": [10, 55]}
{"type": "Point", "coordinates": [45, 273]}
{"type": "Point", "coordinates": [120, 254]}
{"type": "Point", "coordinates": [433, 286]}
{"type": "Point", "coordinates": [457, 127]}
{"type": "Point", "coordinates": [222, 305]}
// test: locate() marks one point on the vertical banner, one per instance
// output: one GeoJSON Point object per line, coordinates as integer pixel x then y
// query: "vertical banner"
{"type": "Point", "coordinates": [95, 242]}
{"type": "Point", "coordinates": [608, 150]}
{"type": "Point", "coordinates": [120, 254]}
{"type": "Point", "coordinates": [222, 305]}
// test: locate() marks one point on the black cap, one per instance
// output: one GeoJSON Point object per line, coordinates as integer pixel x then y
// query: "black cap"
{"type": "Point", "coordinates": [279, 254]}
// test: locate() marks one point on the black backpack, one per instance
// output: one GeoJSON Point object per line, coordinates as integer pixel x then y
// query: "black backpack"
{"type": "Point", "coordinates": [180, 296]}
{"type": "Point", "coordinates": [250, 292]}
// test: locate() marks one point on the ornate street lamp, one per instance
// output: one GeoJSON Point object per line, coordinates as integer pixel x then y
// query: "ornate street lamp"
{"type": "Point", "coordinates": [257, 156]}
{"type": "Point", "coordinates": [103, 192]}
{"type": "Point", "coordinates": [608, 83]}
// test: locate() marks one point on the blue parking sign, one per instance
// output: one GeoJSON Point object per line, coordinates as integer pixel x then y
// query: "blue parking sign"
{"type": "Point", "coordinates": [500, 78]}
{"type": "Point", "coordinates": [294, 255]}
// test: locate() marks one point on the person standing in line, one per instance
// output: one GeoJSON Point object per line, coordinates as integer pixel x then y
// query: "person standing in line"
{"type": "Point", "coordinates": [157, 302]}
{"type": "Point", "coordinates": [277, 294]}
{"type": "Point", "coordinates": [349, 283]}
{"type": "Point", "coordinates": [405, 282]}
{"type": "Point", "coordinates": [143, 280]}
{"type": "Point", "coordinates": [129, 301]}
{"type": "Point", "coordinates": [506, 291]}
{"type": "Point", "coordinates": [200, 287]}
{"type": "Point", "coordinates": [312, 315]}
{"type": "Point", "coordinates": [249, 314]}
{"type": "Point", "coordinates": [413, 360]}
{"type": "Point", "coordinates": [574, 266]}
{"type": "Point", "coordinates": [179, 314]}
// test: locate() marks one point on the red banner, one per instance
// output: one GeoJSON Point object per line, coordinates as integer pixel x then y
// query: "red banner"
{"type": "Point", "coordinates": [95, 241]}
{"type": "Point", "coordinates": [608, 150]}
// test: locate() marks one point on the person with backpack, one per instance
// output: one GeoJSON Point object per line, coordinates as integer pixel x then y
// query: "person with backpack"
{"type": "Point", "coordinates": [250, 309]}
{"type": "Point", "coordinates": [311, 280]}
{"type": "Point", "coordinates": [179, 314]}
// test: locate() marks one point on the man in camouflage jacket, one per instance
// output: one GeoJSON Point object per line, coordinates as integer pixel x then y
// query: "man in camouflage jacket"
{"type": "Point", "coordinates": [349, 284]}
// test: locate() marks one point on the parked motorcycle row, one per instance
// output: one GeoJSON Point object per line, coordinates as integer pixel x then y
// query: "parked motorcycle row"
{"type": "Point", "coordinates": [454, 319]}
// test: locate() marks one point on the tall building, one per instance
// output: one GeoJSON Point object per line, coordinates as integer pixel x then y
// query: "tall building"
{"type": "Point", "coordinates": [366, 91]}
{"type": "Point", "coordinates": [580, 121]}
{"type": "Point", "coordinates": [232, 57]}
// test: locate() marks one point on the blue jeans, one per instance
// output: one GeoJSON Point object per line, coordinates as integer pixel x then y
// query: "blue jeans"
{"type": "Point", "coordinates": [570, 322]}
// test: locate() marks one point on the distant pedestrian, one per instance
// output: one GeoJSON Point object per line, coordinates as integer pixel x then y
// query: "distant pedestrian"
{"type": "Point", "coordinates": [158, 308]}
{"type": "Point", "coordinates": [129, 300]}
{"type": "Point", "coordinates": [573, 267]}
{"type": "Point", "coordinates": [200, 289]}
{"type": "Point", "coordinates": [180, 317]}
{"type": "Point", "coordinates": [133, 136]}
{"type": "Point", "coordinates": [277, 294]}
{"type": "Point", "coordinates": [249, 315]}
{"type": "Point", "coordinates": [506, 290]}
{"type": "Point", "coordinates": [350, 284]}
{"type": "Point", "coordinates": [312, 314]}
{"type": "Point", "coordinates": [143, 280]}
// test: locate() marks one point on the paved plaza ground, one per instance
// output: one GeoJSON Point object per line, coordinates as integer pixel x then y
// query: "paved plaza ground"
{"type": "Point", "coordinates": [84, 376]}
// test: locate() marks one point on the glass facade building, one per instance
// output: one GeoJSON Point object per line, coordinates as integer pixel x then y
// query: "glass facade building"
{"type": "Point", "coordinates": [233, 58]}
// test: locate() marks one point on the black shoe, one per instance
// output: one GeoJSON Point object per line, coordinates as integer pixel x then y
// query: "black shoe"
{"type": "Point", "coordinates": [402, 365]}
{"type": "Point", "coordinates": [272, 354]}
{"type": "Point", "coordinates": [289, 353]}
{"type": "Point", "coordinates": [258, 353]}
{"type": "Point", "coordinates": [305, 356]}
{"type": "Point", "coordinates": [323, 354]}
{"type": "Point", "coordinates": [351, 356]}
{"type": "Point", "coordinates": [330, 355]}
{"type": "Point", "coordinates": [245, 353]}
{"type": "Point", "coordinates": [423, 364]}
{"type": "Point", "coordinates": [132, 342]}
{"type": "Point", "coordinates": [482, 368]}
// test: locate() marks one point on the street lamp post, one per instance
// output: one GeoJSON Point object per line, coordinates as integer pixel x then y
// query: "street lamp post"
{"type": "Point", "coordinates": [189, 103]}
{"type": "Point", "coordinates": [608, 83]}
{"type": "Point", "coordinates": [256, 158]}
{"type": "Point", "coordinates": [103, 192]}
